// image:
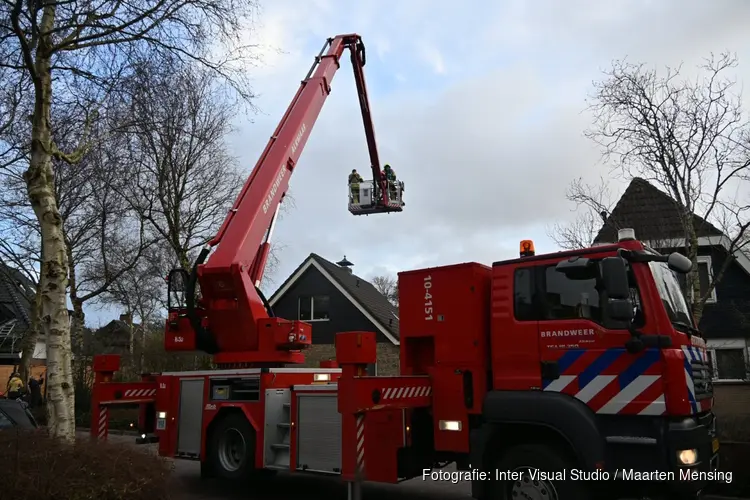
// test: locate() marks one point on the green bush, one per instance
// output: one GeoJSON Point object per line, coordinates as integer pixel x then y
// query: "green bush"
{"type": "Point", "coordinates": [37, 466]}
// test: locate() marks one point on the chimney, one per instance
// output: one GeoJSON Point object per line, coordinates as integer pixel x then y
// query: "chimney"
{"type": "Point", "coordinates": [345, 264]}
{"type": "Point", "coordinates": [125, 318]}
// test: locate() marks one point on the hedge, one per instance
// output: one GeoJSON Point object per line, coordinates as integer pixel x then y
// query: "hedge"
{"type": "Point", "coordinates": [37, 466]}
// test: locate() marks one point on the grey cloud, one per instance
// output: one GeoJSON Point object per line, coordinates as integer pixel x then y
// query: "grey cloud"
{"type": "Point", "coordinates": [489, 159]}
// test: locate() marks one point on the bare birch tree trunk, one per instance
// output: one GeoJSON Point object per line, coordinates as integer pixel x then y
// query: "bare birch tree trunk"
{"type": "Point", "coordinates": [53, 313]}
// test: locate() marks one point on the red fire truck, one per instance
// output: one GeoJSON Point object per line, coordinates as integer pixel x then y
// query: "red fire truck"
{"type": "Point", "coordinates": [543, 377]}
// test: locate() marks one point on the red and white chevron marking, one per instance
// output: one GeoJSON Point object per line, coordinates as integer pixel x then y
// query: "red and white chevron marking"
{"type": "Point", "coordinates": [140, 393]}
{"type": "Point", "coordinates": [644, 395]}
{"type": "Point", "coordinates": [391, 393]}
{"type": "Point", "coordinates": [360, 443]}
{"type": "Point", "coordinates": [103, 416]}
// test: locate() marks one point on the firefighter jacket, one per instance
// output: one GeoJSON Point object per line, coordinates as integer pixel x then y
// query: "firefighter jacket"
{"type": "Point", "coordinates": [15, 385]}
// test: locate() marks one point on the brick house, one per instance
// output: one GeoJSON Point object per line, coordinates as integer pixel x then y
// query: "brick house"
{"type": "Point", "coordinates": [333, 299]}
{"type": "Point", "coordinates": [726, 317]}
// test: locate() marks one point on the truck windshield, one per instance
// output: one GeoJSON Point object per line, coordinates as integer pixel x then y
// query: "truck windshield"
{"type": "Point", "coordinates": [672, 296]}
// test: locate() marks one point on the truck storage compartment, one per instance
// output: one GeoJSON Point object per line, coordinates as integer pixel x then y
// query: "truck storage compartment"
{"type": "Point", "coordinates": [446, 311]}
{"type": "Point", "coordinates": [277, 439]}
{"type": "Point", "coordinates": [190, 419]}
{"type": "Point", "coordinates": [318, 431]}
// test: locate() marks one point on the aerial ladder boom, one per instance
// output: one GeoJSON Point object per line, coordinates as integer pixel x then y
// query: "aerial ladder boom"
{"type": "Point", "coordinates": [233, 320]}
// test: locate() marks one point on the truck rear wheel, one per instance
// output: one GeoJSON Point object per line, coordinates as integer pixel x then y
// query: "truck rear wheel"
{"type": "Point", "coordinates": [524, 458]}
{"type": "Point", "coordinates": [231, 448]}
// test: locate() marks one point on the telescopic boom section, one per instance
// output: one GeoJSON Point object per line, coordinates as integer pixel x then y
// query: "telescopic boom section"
{"type": "Point", "coordinates": [233, 320]}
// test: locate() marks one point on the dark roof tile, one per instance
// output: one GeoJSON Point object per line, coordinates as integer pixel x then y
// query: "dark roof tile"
{"type": "Point", "coordinates": [16, 293]}
{"type": "Point", "coordinates": [364, 293]}
{"type": "Point", "coordinates": [653, 215]}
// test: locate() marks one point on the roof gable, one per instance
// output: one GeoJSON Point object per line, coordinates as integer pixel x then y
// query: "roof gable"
{"type": "Point", "coordinates": [16, 293]}
{"type": "Point", "coordinates": [373, 304]}
{"type": "Point", "coordinates": [653, 214]}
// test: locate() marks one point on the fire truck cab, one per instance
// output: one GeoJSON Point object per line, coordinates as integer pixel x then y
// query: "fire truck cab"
{"type": "Point", "coordinates": [592, 365]}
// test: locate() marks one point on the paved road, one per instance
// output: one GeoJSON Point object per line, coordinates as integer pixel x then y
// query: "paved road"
{"type": "Point", "coordinates": [285, 486]}
{"type": "Point", "coordinates": [288, 486]}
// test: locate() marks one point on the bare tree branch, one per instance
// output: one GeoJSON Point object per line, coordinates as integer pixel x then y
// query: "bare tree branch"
{"type": "Point", "coordinates": [687, 137]}
{"type": "Point", "coordinates": [184, 179]}
{"type": "Point", "coordinates": [94, 47]}
{"type": "Point", "coordinates": [388, 286]}
{"type": "Point", "coordinates": [594, 204]}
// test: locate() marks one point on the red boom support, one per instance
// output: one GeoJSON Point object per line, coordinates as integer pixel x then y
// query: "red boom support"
{"type": "Point", "coordinates": [233, 320]}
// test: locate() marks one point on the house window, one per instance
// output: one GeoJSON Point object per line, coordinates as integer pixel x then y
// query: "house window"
{"type": "Point", "coordinates": [314, 308]}
{"type": "Point", "coordinates": [729, 364]}
{"type": "Point", "coordinates": [706, 277]}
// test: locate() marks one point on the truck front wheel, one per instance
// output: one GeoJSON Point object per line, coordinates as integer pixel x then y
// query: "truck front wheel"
{"type": "Point", "coordinates": [516, 479]}
{"type": "Point", "coordinates": [231, 448]}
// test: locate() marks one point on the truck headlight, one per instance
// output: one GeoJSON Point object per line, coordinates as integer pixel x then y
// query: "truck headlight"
{"type": "Point", "coordinates": [687, 457]}
{"type": "Point", "coordinates": [449, 425]}
{"type": "Point", "coordinates": [161, 421]}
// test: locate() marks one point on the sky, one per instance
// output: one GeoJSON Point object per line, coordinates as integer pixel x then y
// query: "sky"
{"type": "Point", "coordinates": [478, 106]}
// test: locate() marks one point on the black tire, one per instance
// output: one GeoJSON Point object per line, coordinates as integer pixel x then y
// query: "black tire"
{"type": "Point", "coordinates": [231, 449]}
{"type": "Point", "coordinates": [534, 456]}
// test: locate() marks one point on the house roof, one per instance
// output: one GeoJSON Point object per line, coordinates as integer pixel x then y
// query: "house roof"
{"type": "Point", "coordinates": [16, 296]}
{"type": "Point", "coordinates": [116, 333]}
{"type": "Point", "coordinates": [16, 293]}
{"type": "Point", "coordinates": [652, 213]}
{"type": "Point", "coordinates": [654, 216]}
{"type": "Point", "coordinates": [361, 293]}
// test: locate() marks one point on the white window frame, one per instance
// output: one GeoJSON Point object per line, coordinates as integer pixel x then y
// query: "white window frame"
{"type": "Point", "coordinates": [312, 309]}
{"type": "Point", "coordinates": [706, 259]}
{"type": "Point", "coordinates": [731, 345]}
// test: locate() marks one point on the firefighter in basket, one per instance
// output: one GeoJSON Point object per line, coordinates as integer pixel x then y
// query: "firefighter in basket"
{"type": "Point", "coordinates": [390, 176]}
{"type": "Point", "coordinates": [354, 181]}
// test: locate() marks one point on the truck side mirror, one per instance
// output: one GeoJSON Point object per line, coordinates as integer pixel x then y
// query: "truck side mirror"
{"type": "Point", "coordinates": [679, 263]}
{"type": "Point", "coordinates": [615, 281]}
{"type": "Point", "coordinates": [615, 278]}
